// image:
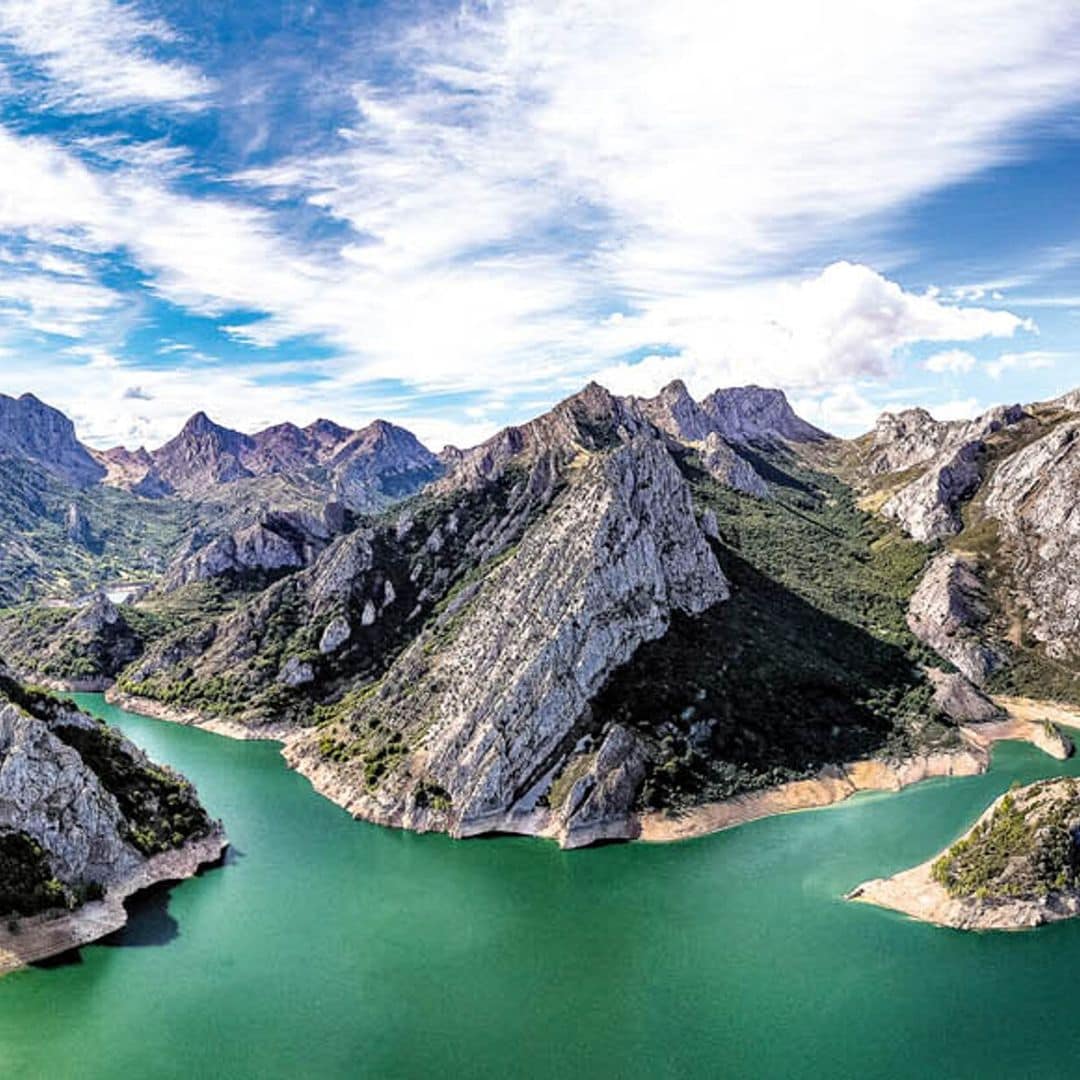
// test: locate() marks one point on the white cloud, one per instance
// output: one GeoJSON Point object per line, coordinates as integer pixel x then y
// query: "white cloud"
{"type": "Point", "coordinates": [545, 164]}
{"type": "Point", "coordinates": [97, 55]}
{"type": "Point", "coordinates": [847, 323]}
{"type": "Point", "coordinates": [1034, 360]}
{"type": "Point", "coordinates": [955, 361]}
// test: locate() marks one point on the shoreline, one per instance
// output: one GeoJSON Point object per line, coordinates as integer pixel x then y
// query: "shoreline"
{"type": "Point", "coordinates": [837, 783]}
{"type": "Point", "coordinates": [833, 784]}
{"type": "Point", "coordinates": [917, 895]}
{"type": "Point", "coordinates": [230, 729]}
{"type": "Point", "coordinates": [51, 934]}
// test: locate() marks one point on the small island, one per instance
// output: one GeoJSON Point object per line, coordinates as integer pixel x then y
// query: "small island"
{"type": "Point", "coordinates": [1018, 867]}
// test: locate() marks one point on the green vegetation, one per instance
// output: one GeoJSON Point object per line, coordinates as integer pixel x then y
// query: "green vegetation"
{"type": "Point", "coordinates": [128, 537]}
{"type": "Point", "coordinates": [27, 884]}
{"type": "Point", "coordinates": [1025, 848]}
{"type": "Point", "coordinates": [159, 805]}
{"type": "Point", "coordinates": [810, 662]}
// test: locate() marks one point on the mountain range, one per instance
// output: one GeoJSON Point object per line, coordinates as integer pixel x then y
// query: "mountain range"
{"type": "Point", "coordinates": [624, 605]}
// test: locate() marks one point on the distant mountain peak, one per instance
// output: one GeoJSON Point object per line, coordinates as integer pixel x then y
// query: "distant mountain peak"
{"type": "Point", "coordinates": [750, 414]}
{"type": "Point", "coordinates": [31, 429]}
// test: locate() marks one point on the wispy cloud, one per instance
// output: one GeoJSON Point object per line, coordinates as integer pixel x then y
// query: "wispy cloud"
{"type": "Point", "coordinates": [527, 194]}
{"type": "Point", "coordinates": [99, 54]}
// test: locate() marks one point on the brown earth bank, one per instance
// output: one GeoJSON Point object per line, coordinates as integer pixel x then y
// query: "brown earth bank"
{"type": "Point", "coordinates": [29, 940]}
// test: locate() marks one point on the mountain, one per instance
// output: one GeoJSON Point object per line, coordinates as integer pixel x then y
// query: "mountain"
{"type": "Point", "coordinates": [32, 431]}
{"type": "Point", "coordinates": [581, 619]}
{"type": "Point", "coordinates": [625, 605]}
{"type": "Point", "coordinates": [996, 497]}
{"type": "Point", "coordinates": [85, 819]}
{"type": "Point", "coordinates": [751, 414]}
{"type": "Point", "coordinates": [203, 456]}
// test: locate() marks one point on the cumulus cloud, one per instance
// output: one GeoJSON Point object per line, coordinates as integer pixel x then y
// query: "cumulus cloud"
{"type": "Point", "coordinates": [847, 323]}
{"type": "Point", "coordinates": [544, 188]}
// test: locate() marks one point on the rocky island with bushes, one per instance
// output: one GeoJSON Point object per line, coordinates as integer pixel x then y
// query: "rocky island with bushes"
{"type": "Point", "coordinates": [1016, 868]}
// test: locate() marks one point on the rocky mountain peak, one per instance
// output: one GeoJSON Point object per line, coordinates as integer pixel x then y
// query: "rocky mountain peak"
{"type": "Point", "coordinates": [754, 414]}
{"type": "Point", "coordinates": [31, 429]}
{"type": "Point", "coordinates": [674, 410]}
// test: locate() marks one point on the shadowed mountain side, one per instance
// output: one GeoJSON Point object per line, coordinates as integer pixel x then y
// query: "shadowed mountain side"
{"type": "Point", "coordinates": [764, 688]}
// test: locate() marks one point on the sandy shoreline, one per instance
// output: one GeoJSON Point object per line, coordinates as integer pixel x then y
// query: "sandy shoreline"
{"type": "Point", "coordinates": [1024, 722]}
{"type": "Point", "coordinates": [42, 936]}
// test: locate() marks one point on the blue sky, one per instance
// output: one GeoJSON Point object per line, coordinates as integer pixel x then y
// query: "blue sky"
{"type": "Point", "coordinates": [453, 215]}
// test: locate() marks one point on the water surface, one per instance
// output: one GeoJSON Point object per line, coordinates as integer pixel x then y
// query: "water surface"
{"type": "Point", "coordinates": [332, 948]}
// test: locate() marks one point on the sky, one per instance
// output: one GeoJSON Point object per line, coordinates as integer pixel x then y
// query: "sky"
{"type": "Point", "coordinates": [453, 215]}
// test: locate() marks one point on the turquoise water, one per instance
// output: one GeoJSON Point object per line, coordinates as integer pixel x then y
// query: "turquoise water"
{"type": "Point", "coordinates": [331, 948]}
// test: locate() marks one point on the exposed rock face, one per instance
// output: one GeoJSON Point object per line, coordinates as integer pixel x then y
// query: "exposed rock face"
{"type": "Point", "coordinates": [203, 455]}
{"type": "Point", "coordinates": [961, 700]}
{"type": "Point", "coordinates": [30, 429]}
{"type": "Point", "coordinates": [904, 440]}
{"type": "Point", "coordinates": [277, 541]}
{"type": "Point", "coordinates": [751, 414]}
{"type": "Point", "coordinates": [928, 508]}
{"type": "Point", "coordinates": [673, 410]}
{"type": "Point", "coordinates": [488, 716]}
{"type": "Point", "coordinates": [725, 465]}
{"type": "Point", "coordinates": [379, 464]}
{"type": "Point", "coordinates": [1033, 495]}
{"type": "Point", "coordinates": [92, 802]}
{"type": "Point", "coordinates": [134, 471]}
{"type": "Point", "coordinates": [949, 611]}
{"type": "Point", "coordinates": [77, 527]}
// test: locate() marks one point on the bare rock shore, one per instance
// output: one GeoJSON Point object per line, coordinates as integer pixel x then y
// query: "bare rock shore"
{"type": "Point", "coordinates": [27, 941]}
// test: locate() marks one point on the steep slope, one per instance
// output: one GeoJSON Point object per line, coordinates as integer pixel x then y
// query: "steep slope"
{"type": "Point", "coordinates": [486, 710]}
{"type": "Point", "coordinates": [85, 817]}
{"type": "Point", "coordinates": [32, 431]}
{"type": "Point", "coordinates": [752, 414]}
{"type": "Point", "coordinates": [1001, 602]}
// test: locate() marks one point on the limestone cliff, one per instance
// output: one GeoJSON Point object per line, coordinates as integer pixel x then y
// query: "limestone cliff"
{"type": "Point", "coordinates": [81, 809]}
{"type": "Point", "coordinates": [487, 705]}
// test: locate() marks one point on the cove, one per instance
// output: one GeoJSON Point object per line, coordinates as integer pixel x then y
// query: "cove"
{"type": "Point", "coordinates": [331, 948]}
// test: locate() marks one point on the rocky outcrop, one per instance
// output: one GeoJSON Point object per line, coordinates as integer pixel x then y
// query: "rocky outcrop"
{"type": "Point", "coordinates": [82, 810]}
{"type": "Point", "coordinates": [277, 542]}
{"type": "Point", "coordinates": [752, 414]}
{"type": "Point", "coordinates": [673, 410]}
{"type": "Point", "coordinates": [134, 471]}
{"type": "Point", "coordinates": [959, 699]}
{"type": "Point", "coordinates": [730, 469]}
{"type": "Point", "coordinates": [905, 440]}
{"type": "Point", "coordinates": [1015, 869]}
{"type": "Point", "coordinates": [485, 708]}
{"type": "Point", "coordinates": [31, 430]}
{"type": "Point", "coordinates": [1033, 495]}
{"type": "Point", "coordinates": [949, 611]}
{"type": "Point", "coordinates": [928, 507]}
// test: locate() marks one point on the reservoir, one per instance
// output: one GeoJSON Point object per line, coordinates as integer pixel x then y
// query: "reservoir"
{"type": "Point", "coordinates": [327, 947]}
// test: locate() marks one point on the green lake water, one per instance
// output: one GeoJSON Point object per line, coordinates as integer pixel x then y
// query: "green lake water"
{"type": "Point", "coordinates": [331, 948]}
